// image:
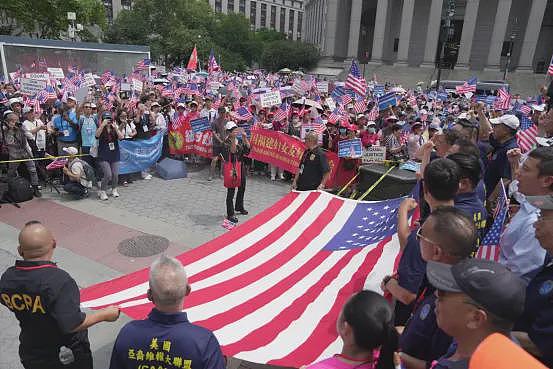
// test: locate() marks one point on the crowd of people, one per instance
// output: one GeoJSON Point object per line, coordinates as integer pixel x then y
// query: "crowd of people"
{"type": "Point", "coordinates": [437, 308]}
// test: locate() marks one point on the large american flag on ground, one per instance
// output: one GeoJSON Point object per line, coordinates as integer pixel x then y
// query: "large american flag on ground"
{"type": "Point", "coordinates": [272, 288]}
{"type": "Point", "coordinates": [489, 249]}
{"type": "Point", "coordinates": [354, 81]}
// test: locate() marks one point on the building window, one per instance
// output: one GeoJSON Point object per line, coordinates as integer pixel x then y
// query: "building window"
{"type": "Point", "coordinates": [282, 19]}
{"type": "Point", "coordinates": [263, 16]}
{"type": "Point", "coordinates": [506, 48]}
{"type": "Point", "coordinates": [396, 45]}
{"type": "Point", "coordinates": [109, 11]}
{"type": "Point", "coordinates": [253, 12]}
{"type": "Point", "coordinates": [218, 6]}
{"type": "Point", "coordinates": [300, 20]}
{"type": "Point", "coordinates": [273, 17]}
{"type": "Point", "coordinates": [242, 6]}
{"type": "Point", "coordinates": [230, 6]}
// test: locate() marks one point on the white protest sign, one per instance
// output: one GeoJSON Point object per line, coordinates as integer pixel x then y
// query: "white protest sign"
{"type": "Point", "coordinates": [322, 87]}
{"type": "Point", "coordinates": [41, 76]}
{"type": "Point", "coordinates": [56, 73]}
{"type": "Point", "coordinates": [137, 85]}
{"type": "Point", "coordinates": [81, 94]}
{"type": "Point", "coordinates": [269, 99]}
{"type": "Point", "coordinates": [329, 101]}
{"type": "Point", "coordinates": [32, 86]}
{"type": "Point", "coordinates": [125, 86]}
{"type": "Point", "coordinates": [374, 154]}
{"type": "Point", "coordinates": [214, 86]}
{"type": "Point", "coordinates": [160, 69]}
{"type": "Point", "coordinates": [88, 80]}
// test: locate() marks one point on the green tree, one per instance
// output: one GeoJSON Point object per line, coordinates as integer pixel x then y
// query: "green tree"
{"type": "Point", "coordinates": [48, 19]}
{"type": "Point", "coordinates": [289, 54]}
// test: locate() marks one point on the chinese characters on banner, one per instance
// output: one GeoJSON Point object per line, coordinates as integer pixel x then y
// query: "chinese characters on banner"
{"type": "Point", "coordinates": [284, 151]}
{"type": "Point", "coordinates": [185, 141]}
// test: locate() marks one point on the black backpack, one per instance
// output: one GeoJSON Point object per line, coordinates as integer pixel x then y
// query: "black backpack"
{"type": "Point", "coordinates": [19, 190]}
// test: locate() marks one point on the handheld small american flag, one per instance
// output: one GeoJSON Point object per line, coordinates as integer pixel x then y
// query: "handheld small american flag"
{"type": "Point", "coordinates": [550, 69]}
{"type": "Point", "coordinates": [526, 137]}
{"type": "Point", "coordinates": [503, 100]}
{"type": "Point", "coordinates": [360, 105]}
{"type": "Point", "coordinates": [346, 99]}
{"type": "Point", "coordinates": [525, 109]}
{"type": "Point", "coordinates": [241, 114]}
{"type": "Point", "coordinates": [213, 66]}
{"type": "Point", "coordinates": [336, 115]}
{"type": "Point", "coordinates": [489, 249]}
{"type": "Point", "coordinates": [272, 288]}
{"type": "Point", "coordinates": [354, 81]}
{"type": "Point", "coordinates": [143, 64]}
{"type": "Point", "coordinates": [373, 114]}
{"type": "Point", "coordinates": [468, 86]}
{"type": "Point", "coordinates": [57, 164]}
{"type": "Point", "coordinates": [280, 115]}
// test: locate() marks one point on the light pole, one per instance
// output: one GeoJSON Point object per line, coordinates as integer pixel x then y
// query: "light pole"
{"type": "Point", "coordinates": [509, 55]}
{"type": "Point", "coordinates": [447, 32]}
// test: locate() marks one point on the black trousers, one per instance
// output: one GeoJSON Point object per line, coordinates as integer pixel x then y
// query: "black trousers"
{"type": "Point", "coordinates": [239, 196]}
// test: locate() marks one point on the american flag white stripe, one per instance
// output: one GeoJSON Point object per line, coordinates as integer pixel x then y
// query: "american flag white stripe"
{"type": "Point", "coordinates": [266, 289]}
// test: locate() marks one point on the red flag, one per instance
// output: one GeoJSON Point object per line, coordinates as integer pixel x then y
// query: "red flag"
{"type": "Point", "coordinates": [193, 61]}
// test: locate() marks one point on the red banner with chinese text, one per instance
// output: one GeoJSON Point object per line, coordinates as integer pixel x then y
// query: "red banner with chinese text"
{"type": "Point", "coordinates": [284, 151]}
{"type": "Point", "coordinates": [184, 141]}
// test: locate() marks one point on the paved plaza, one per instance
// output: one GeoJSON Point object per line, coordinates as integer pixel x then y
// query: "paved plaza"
{"type": "Point", "coordinates": [183, 212]}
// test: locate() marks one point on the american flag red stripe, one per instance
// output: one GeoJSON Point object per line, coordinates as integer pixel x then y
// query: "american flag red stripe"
{"type": "Point", "coordinates": [526, 139]}
{"type": "Point", "coordinates": [266, 288]}
{"type": "Point", "coordinates": [373, 114]}
{"type": "Point", "coordinates": [550, 68]}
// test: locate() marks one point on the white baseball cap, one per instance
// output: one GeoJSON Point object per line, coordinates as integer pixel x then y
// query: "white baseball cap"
{"type": "Point", "coordinates": [509, 120]}
{"type": "Point", "coordinates": [536, 107]}
{"type": "Point", "coordinates": [72, 98]}
{"type": "Point", "coordinates": [27, 109]}
{"type": "Point", "coordinates": [230, 125]}
{"type": "Point", "coordinates": [71, 150]}
{"type": "Point", "coordinates": [544, 141]}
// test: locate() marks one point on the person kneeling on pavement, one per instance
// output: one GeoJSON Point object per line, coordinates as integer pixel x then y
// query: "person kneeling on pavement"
{"type": "Point", "coordinates": [79, 174]}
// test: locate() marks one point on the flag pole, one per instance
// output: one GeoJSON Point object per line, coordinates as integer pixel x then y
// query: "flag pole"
{"type": "Point", "coordinates": [376, 183]}
{"type": "Point", "coordinates": [347, 184]}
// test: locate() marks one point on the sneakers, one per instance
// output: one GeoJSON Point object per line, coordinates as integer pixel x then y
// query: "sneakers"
{"type": "Point", "coordinates": [233, 219]}
{"type": "Point", "coordinates": [114, 193]}
{"type": "Point", "coordinates": [84, 194]}
{"type": "Point", "coordinates": [281, 177]}
{"type": "Point", "coordinates": [210, 178]}
{"type": "Point", "coordinates": [273, 179]}
{"type": "Point", "coordinates": [148, 176]}
{"type": "Point", "coordinates": [102, 195]}
{"type": "Point", "coordinates": [242, 211]}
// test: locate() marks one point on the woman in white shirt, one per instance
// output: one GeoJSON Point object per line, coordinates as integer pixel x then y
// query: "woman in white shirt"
{"type": "Point", "coordinates": [128, 128]}
{"type": "Point", "coordinates": [35, 131]}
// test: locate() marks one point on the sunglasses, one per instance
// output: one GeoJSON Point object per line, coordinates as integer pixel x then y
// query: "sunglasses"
{"type": "Point", "coordinates": [419, 236]}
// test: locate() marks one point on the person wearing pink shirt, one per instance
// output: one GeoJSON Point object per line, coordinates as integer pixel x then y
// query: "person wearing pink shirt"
{"type": "Point", "coordinates": [366, 328]}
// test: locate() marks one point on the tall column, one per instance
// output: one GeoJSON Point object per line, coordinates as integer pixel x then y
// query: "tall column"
{"type": "Point", "coordinates": [354, 28]}
{"type": "Point", "coordinates": [236, 6]}
{"type": "Point", "coordinates": [224, 5]}
{"type": "Point", "coordinates": [469, 25]}
{"type": "Point", "coordinates": [258, 16]}
{"type": "Point", "coordinates": [267, 17]}
{"type": "Point", "coordinates": [295, 30]}
{"type": "Point", "coordinates": [277, 19]}
{"type": "Point", "coordinates": [212, 3]}
{"type": "Point", "coordinates": [248, 9]}
{"type": "Point", "coordinates": [432, 34]}
{"type": "Point", "coordinates": [286, 20]}
{"type": "Point", "coordinates": [331, 27]}
{"type": "Point", "coordinates": [535, 19]}
{"type": "Point", "coordinates": [498, 35]}
{"type": "Point", "coordinates": [379, 31]}
{"type": "Point", "coordinates": [405, 31]}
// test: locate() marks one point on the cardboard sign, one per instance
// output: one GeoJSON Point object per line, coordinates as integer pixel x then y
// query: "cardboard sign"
{"type": "Point", "coordinates": [269, 99]}
{"type": "Point", "coordinates": [137, 85]}
{"type": "Point", "coordinates": [350, 148]}
{"type": "Point", "coordinates": [125, 86]}
{"type": "Point", "coordinates": [32, 86]}
{"type": "Point", "coordinates": [41, 76]}
{"type": "Point", "coordinates": [322, 87]}
{"type": "Point", "coordinates": [200, 125]}
{"type": "Point", "coordinates": [56, 73]}
{"type": "Point", "coordinates": [374, 154]}
{"type": "Point", "coordinates": [329, 101]}
{"type": "Point", "coordinates": [81, 94]}
{"type": "Point", "coordinates": [88, 80]}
